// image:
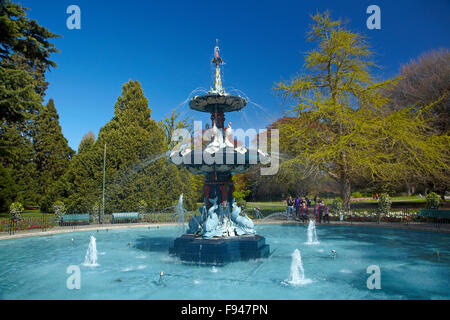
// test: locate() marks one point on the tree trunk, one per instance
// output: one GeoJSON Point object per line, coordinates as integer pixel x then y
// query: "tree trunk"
{"type": "Point", "coordinates": [345, 193]}
{"type": "Point", "coordinates": [408, 189]}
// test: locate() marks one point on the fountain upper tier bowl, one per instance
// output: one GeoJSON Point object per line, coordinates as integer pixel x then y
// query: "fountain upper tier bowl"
{"type": "Point", "coordinates": [237, 160]}
{"type": "Point", "coordinates": [215, 102]}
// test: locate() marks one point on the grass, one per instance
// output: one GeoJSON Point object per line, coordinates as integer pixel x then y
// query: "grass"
{"type": "Point", "coordinates": [329, 201]}
{"type": "Point", "coordinates": [399, 199]}
{"type": "Point", "coordinates": [25, 214]}
{"type": "Point", "coordinates": [265, 207]}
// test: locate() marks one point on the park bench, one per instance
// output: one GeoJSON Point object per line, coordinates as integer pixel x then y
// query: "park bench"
{"type": "Point", "coordinates": [438, 216]}
{"type": "Point", "coordinates": [434, 213]}
{"type": "Point", "coordinates": [68, 219]}
{"type": "Point", "coordinates": [125, 217]}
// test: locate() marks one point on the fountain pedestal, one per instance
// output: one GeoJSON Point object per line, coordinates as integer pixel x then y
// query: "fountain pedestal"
{"type": "Point", "coordinates": [219, 251]}
{"type": "Point", "coordinates": [226, 235]}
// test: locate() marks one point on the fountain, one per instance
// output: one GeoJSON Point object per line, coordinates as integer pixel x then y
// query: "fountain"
{"type": "Point", "coordinates": [220, 233]}
{"type": "Point", "coordinates": [297, 274]}
{"type": "Point", "coordinates": [179, 211]}
{"type": "Point", "coordinates": [90, 259]}
{"type": "Point", "coordinates": [312, 236]}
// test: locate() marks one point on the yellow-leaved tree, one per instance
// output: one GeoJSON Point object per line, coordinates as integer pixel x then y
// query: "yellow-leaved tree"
{"type": "Point", "coordinates": [343, 123]}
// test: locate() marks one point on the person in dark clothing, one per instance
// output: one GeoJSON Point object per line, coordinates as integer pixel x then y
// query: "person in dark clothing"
{"type": "Point", "coordinates": [321, 209]}
{"type": "Point", "coordinates": [298, 201]}
{"type": "Point", "coordinates": [308, 201]}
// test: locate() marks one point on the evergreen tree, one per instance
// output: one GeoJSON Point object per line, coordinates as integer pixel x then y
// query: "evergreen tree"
{"type": "Point", "coordinates": [52, 152]}
{"type": "Point", "coordinates": [136, 164]}
{"type": "Point", "coordinates": [25, 56]}
{"type": "Point", "coordinates": [86, 142]}
{"type": "Point", "coordinates": [8, 188]}
{"type": "Point", "coordinates": [16, 155]}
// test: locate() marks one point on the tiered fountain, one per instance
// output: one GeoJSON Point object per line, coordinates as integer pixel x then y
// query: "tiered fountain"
{"type": "Point", "coordinates": [219, 234]}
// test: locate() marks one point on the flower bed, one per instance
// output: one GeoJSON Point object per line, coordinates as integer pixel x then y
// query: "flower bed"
{"type": "Point", "coordinates": [32, 223]}
{"type": "Point", "coordinates": [372, 216]}
{"type": "Point", "coordinates": [29, 223]}
{"type": "Point", "coordinates": [361, 199]}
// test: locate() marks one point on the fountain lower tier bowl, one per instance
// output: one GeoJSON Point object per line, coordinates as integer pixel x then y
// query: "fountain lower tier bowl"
{"type": "Point", "coordinates": [219, 251]}
{"type": "Point", "coordinates": [213, 102]}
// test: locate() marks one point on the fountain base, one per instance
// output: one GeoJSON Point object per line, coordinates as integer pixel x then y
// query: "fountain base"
{"type": "Point", "coordinates": [219, 251]}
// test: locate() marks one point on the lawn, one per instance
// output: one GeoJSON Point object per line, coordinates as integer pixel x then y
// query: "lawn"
{"type": "Point", "coordinates": [396, 199]}
{"type": "Point", "coordinates": [265, 207]}
{"type": "Point", "coordinates": [25, 214]}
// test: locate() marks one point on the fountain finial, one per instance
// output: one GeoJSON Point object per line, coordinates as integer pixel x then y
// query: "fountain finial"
{"type": "Point", "coordinates": [217, 60]}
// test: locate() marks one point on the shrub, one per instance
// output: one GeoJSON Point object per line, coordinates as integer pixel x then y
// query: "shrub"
{"type": "Point", "coordinates": [16, 209]}
{"type": "Point", "coordinates": [95, 208]}
{"type": "Point", "coordinates": [433, 200]}
{"type": "Point", "coordinates": [45, 204]}
{"type": "Point", "coordinates": [59, 208]}
{"type": "Point", "coordinates": [142, 207]}
{"type": "Point", "coordinates": [242, 204]}
{"type": "Point", "coordinates": [384, 203]}
{"type": "Point", "coordinates": [357, 195]}
{"type": "Point", "coordinates": [95, 211]}
{"type": "Point", "coordinates": [336, 206]}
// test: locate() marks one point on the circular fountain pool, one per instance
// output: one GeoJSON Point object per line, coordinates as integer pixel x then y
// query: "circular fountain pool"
{"type": "Point", "coordinates": [413, 265]}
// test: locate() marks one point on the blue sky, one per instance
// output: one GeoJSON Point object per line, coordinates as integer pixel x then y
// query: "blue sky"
{"type": "Point", "coordinates": [167, 46]}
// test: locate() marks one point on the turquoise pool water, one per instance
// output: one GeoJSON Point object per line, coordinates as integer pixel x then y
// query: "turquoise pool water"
{"type": "Point", "coordinates": [35, 268]}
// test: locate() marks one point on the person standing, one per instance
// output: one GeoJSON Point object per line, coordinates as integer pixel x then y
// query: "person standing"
{"type": "Point", "coordinates": [304, 212]}
{"type": "Point", "coordinates": [316, 212]}
{"type": "Point", "coordinates": [326, 217]}
{"type": "Point", "coordinates": [290, 207]}
{"type": "Point", "coordinates": [257, 213]}
{"type": "Point", "coordinates": [303, 201]}
{"type": "Point", "coordinates": [298, 201]}
{"type": "Point", "coordinates": [321, 207]}
{"type": "Point", "coordinates": [308, 201]}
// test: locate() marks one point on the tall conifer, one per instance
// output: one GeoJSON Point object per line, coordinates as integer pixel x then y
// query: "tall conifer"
{"type": "Point", "coordinates": [136, 164]}
{"type": "Point", "coordinates": [52, 152]}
